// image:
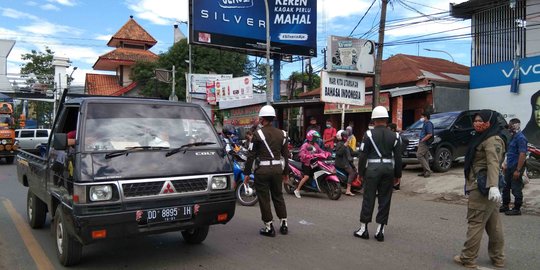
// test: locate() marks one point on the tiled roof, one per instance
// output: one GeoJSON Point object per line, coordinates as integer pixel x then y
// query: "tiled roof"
{"type": "Point", "coordinates": [123, 56]}
{"type": "Point", "coordinates": [408, 70]}
{"type": "Point", "coordinates": [105, 85]}
{"type": "Point", "coordinates": [131, 31]}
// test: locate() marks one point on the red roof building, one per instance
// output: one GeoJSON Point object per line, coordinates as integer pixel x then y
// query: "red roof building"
{"type": "Point", "coordinates": [132, 44]}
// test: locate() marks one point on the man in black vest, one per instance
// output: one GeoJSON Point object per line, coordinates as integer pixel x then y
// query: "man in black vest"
{"type": "Point", "coordinates": [268, 145]}
{"type": "Point", "coordinates": [380, 165]}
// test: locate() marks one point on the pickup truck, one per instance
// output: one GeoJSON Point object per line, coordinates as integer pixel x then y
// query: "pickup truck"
{"type": "Point", "coordinates": [136, 166]}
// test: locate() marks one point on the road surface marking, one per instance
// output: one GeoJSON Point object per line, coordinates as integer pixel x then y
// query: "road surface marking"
{"type": "Point", "coordinates": [35, 250]}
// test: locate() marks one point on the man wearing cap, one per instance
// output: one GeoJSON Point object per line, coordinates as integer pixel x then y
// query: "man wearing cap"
{"type": "Point", "coordinates": [380, 165]}
{"type": "Point", "coordinates": [269, 151]}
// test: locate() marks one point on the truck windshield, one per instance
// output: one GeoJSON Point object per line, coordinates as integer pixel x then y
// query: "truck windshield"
{"type": "Point", "coordinates": [5, 121]}
{"type": "Point", "coordinates": [120, 126]}
{"type": "Point", "coordinates": [439, 120]}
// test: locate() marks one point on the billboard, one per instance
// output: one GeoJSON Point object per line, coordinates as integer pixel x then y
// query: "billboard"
{"type": "Point", "coordinates": [242, 24]}
{"type": "Point", "coordinates": [339, 88]}
{"type": "Point", "coordinates": [234, 89]}
{"type": "Point", "coordinates": [490, 89]}
{"type": "Point", "coordinates": [351, 55]}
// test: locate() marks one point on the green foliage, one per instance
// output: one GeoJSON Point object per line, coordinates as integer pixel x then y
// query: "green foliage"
{"type": "Point", "coordinates": [204, 60]}
{"type": "Point", "coordinates": [297, 79]}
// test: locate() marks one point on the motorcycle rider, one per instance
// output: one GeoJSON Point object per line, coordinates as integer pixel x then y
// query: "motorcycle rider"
{"type": "Point", "coordinates": [308, 151]}
{"type": "Point", "coordinates": [344, 159]}
{"type": "Point", "coordinates": [268, 145]}
{"type": "Point", "coordinates": [380, 165]}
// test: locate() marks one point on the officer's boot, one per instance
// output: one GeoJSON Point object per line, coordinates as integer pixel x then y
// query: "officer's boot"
{"type": "Point", "coordinates": [362, 232]}
{"type": "Point", "coordinates": [283, 229]}
{"type": "Point", "coordinates": [380, 233]}
{"type": "Point", "coordinates": [268, 229]}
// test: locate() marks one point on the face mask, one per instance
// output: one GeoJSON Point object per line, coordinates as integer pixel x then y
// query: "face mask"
{"type": "Point", "coordinates": [328, 125]}
{"type": "Point", "coordinates": [481, 126]}
{"type": "Point", "coordinates": [422, 119]}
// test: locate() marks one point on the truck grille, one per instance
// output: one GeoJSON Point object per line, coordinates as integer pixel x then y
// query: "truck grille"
{"type": "Point", "coordinates": [412, 144]}
{"type": "Point", "coordinates": [154, 188]}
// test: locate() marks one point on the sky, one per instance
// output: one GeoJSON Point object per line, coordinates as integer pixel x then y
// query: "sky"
{"type": "Point", "coordinates": [80, 29]}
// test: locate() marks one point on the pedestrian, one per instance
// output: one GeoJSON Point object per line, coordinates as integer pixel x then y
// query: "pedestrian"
{"type": "Point", "coordinates": [426, 138]}
{"type": "Point", "coordinates": [313, 125]}
{"type": "Point", "coordinates": [513, 170]}
{"type": "Point", "coordinates": [380, 166]}
{"type": "Point", "coordinates": [329, 136]}
{"type": "Point", "coordinates": [484, 156]}
{"type": "Point", "coordinates": [344, 160]}
{"type": "Point", "coordinates": [249, 138]}
{"type": "Point", "coordinates": [351, 139]}
{"type": "Point", "coordinates": [268, 147]}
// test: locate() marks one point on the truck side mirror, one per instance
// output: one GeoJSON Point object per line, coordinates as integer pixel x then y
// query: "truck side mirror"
{"type": "Point", "coordinates": [60, 141]}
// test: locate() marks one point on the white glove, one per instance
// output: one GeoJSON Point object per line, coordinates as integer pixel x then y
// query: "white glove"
{"type": "Point", "coordinates": [248, 190]}
{"type": "Point", "coordinates": [494, 195]}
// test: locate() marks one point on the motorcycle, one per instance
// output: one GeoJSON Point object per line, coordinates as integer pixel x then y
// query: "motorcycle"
{"type": "Point", "coordinates": [245, 194]}
{"type": "Point", "coordinates": [343, 176]}
{"type": "Point", "coordinates": [532, 163]}
{"type": "Point", "coordinates": [324, 181]}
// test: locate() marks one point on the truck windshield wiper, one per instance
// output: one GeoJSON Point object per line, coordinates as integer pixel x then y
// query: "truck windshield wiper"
{"type": "Point", "coordinates": [186, 146]}
{"type": "Point", "coordinates": [133, 149]}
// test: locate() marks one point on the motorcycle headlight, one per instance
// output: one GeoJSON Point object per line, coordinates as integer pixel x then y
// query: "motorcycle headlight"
{"type": "Point", "coordinates": [101, 193]}
{"type": "Point", "coordinates": [4, 141]}
{"type": "Point", "coordinates": [219, 182]}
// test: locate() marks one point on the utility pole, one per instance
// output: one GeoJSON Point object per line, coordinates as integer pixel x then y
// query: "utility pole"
{"type": "Point", "coordinates": [324, 55]}
{"type": "Point", "coordinates": [378, 64]}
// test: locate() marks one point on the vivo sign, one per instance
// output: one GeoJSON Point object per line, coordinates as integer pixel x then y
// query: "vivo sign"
{"type": "Point", "coordinates": [500, 74]}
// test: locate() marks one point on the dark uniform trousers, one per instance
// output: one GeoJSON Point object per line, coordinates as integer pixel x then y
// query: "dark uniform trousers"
{"type": "Point", "coordinates": [379, 178]}
{"type": "Point", "coordinates": [516, 186]}
{"type": "Point", "coordinates": [270, 185]}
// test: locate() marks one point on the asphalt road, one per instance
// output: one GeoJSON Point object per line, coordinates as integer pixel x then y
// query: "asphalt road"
{"type": "Point", "coordinates": [422, 234]}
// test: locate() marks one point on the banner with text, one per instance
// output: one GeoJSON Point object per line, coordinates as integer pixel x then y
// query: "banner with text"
{"type": "Point", "coordinates": [234, 89]}
{"type": "Point", "coordinates": [198, 81]}
{"type": "Point", "coordinates": [339, 88]}
{"type": "Point", "coordinates": [351, 55]}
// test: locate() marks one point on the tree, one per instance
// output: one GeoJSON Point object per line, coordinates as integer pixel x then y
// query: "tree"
{"type": "Point", "coordinates": [205, 60]}
{"type": "Point", "coordinates": [39, 70]}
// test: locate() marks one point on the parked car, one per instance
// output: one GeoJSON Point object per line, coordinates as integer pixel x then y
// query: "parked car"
{"type": "Point", "coordinates": [453, 131]}
{"type": "Point", "coordinates": [30, 139]}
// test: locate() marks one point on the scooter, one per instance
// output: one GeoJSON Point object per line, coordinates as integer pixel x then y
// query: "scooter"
{"type": "Point", "coordinates": [343, 176]}
{"type": "Point", "coordinates": [533, 161]}
{"type": "Point", "coordinates": [245, 194]}
{"type": "Point", "coordinates": [325, 179]}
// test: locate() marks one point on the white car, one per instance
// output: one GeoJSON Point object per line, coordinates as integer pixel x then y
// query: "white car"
{"type": "Point", "coordinates": [31, 139]}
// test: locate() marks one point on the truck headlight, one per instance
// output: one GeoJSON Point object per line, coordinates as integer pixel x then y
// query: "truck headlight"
{"type": "Point", "coordinates": [436, 139]}
{"type": "Point", "coordinates": [4, 141]}
{"type": "Point", "coordinates": [101, 193]}
{"type": "Point", "coordinates": [219, 182]}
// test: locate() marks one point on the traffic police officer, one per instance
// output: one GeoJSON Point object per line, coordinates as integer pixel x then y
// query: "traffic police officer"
{"type": "Point", "coordinates": [380, 165]}
{"type": "Point", "coordinates": [268, 145]}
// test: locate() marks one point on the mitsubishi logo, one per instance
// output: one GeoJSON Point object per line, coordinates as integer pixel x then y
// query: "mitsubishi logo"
{"type": "Point", "coordinates": [167, 188]}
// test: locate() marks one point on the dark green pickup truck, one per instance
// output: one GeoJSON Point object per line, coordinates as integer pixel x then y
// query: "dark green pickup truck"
{"type": "Point", "coordinates": [136, 166]}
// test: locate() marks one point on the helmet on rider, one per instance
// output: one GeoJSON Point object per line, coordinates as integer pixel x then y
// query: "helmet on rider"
{"type": "Point", "coordinates": [341, 135]}
{"type": "Point", "coordinates": [267, 110]}
{"type": "Point", "coordinates": [312, 135]}
{"type": "Point", "coordinates": [379, 112]}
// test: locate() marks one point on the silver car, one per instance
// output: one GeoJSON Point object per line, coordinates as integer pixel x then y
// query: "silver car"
{"type": "Point", "coordinates": [31, 139]}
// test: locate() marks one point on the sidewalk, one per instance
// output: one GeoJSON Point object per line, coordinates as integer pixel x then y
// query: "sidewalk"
{"type": "Point", "coordinates": [448, 186]}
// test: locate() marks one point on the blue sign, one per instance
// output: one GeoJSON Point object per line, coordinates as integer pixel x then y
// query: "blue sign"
{"type": "Point", "coordinates": [502, 73]}
{"type": "Point", "coordinates": [242, 24]}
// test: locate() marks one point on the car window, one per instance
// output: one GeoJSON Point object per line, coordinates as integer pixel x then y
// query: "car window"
{"type": "Point", "coordinates": [464, 122]}
{"type": "Point", "coordinates": [42, 133]}
{"type": "Point", "coordinates": [27, 133]}
{"type": "Point", "coordinates": [17, 133]}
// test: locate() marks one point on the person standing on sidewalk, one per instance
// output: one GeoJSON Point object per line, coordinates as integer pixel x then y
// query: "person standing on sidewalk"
{"type": "Point", "coordinates": [329, 135]}
{"type": "Point", "coordinates": [513, 170]}
{"type": "Point", "coordinates": [268, 145]}
{"type": "Point", "coordinates": [381, 152]}
{"type": "Point", "coordinates": [485, 153]}
{"type": "Point", "coordinates": [426, 137]}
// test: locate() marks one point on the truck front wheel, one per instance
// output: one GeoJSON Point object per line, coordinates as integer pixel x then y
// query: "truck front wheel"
{"type": "Point", "coordinates": [36, 211]}
{"type": "Point", "coordinates": [68, 249]}
{"type": "Point", "coordinates": [195, 236]}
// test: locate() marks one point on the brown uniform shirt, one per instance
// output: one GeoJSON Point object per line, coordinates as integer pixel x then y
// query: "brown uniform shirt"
{"type": "Point", "coordinates": [489, 156]}
{"type": "Point", "coordinates": [258, 150]}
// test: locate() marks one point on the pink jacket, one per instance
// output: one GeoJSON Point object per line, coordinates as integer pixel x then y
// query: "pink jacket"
{"type": "Point", "coordinates": [306, 155]}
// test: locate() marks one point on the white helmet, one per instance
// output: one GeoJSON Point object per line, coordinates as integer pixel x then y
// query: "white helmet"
{"type": "Point", "coordinates": [267, 110]}
{"type": "Point", "coordinates": [339, 136]}
{"type": "Point", "coordinates": [379, 112]}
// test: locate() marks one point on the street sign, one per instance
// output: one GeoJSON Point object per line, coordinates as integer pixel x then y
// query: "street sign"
{"type": "Point", "coordinates": [339, 88]}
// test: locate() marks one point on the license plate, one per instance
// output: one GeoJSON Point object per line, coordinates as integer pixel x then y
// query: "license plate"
{"type": "Point", "coordinates": [168, 214]}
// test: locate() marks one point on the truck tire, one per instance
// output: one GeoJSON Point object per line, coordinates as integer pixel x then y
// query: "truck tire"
{"type": "Point", "coordinates": [443, 159]}
{"type": "Point", "coordinates": [195, 236]}
{"type": "Point", "coordinates": [9, 160]}
{"type": "Point", "coordinates": [68, 249]}
{"type": "Point", "coordinates": [36, 211]}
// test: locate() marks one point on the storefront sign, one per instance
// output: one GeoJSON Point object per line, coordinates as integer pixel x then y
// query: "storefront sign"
{"type": "Point", "coordinates": [245, 116]}
{"type": "Point", "coordinates": [339, 88]}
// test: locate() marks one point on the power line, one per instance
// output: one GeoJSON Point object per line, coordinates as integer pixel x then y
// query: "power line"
{"type": "Point", "coordinates": [365, 13]}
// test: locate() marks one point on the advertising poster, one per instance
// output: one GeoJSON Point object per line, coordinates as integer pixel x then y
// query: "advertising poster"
{"type": "Point", "coordinates": [351, 55]}
{"type": "Point", "coordinates": [234, 89]}
{"type": "Point", "coordinates": [198, 81]}
{"type": "Point", "coordinates": [339, 88]}
{"type": "Point", "coordinates": [211, 93]}
{"type": "Point", "coordinates": [242, 24]}
{"type": "Point", "coordinates": [490, 89]}
{"type": "Point", "coordinates": [245, 116]}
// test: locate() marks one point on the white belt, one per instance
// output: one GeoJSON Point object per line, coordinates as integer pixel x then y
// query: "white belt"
{"type": "Point", "coordinates": [270, 162]}
{"type": "Point", "coordinates": [380, 160]}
